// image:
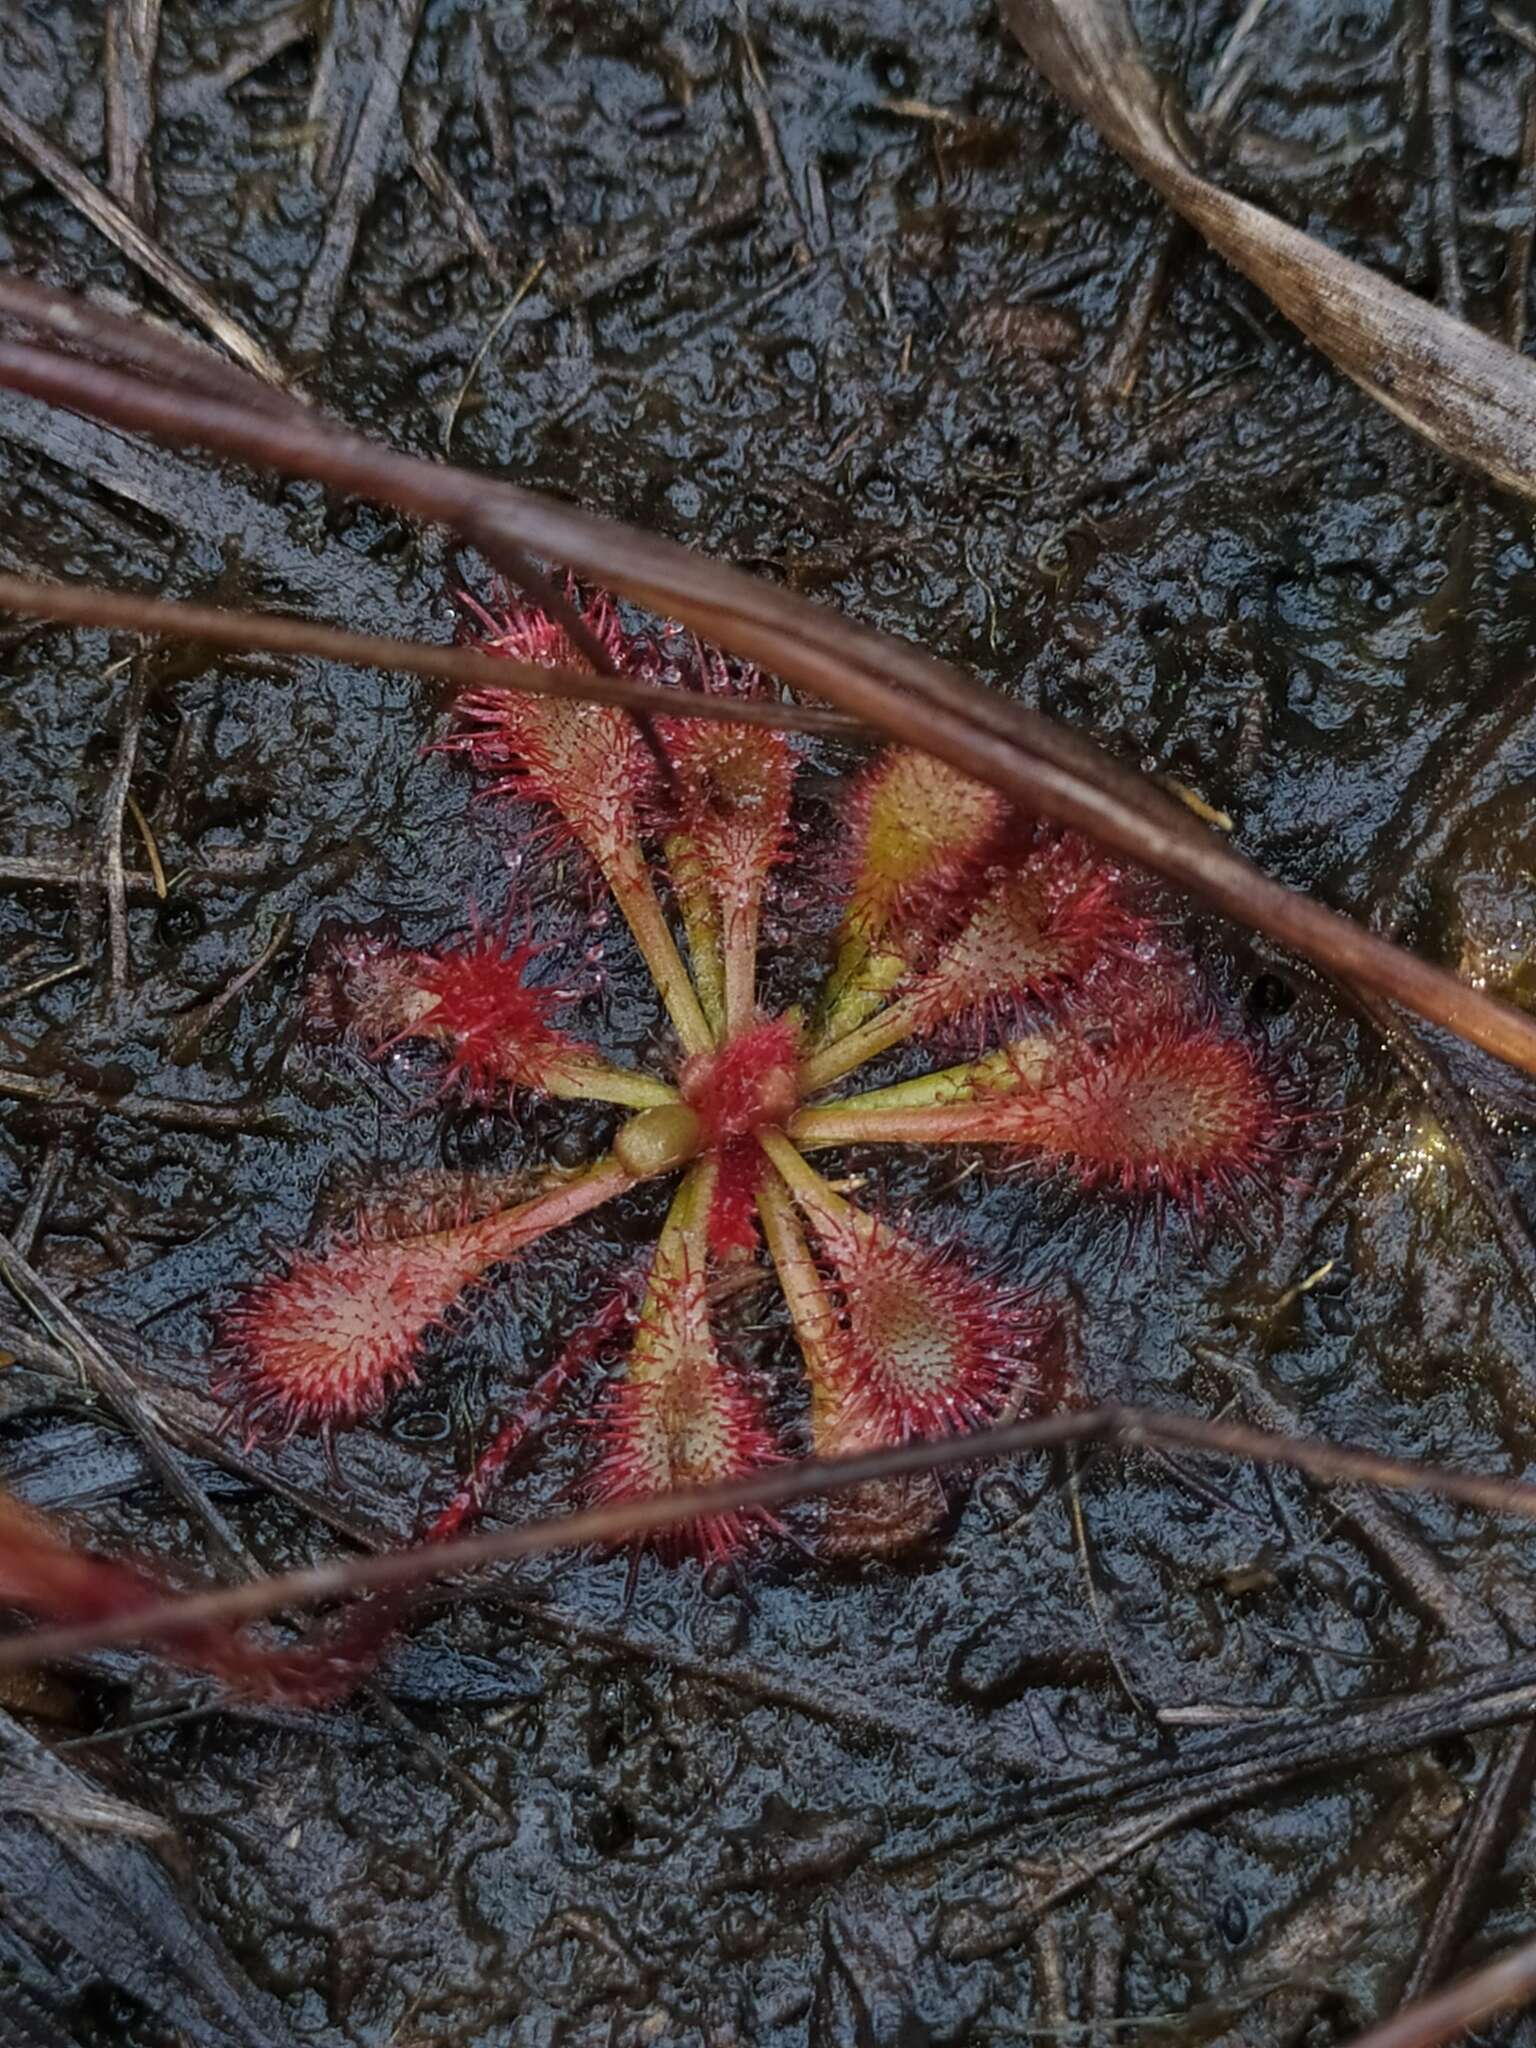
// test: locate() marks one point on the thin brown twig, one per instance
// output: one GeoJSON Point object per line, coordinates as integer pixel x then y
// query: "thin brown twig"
{"type": "Point", "coordinates": [224, 1119]}
{"type": "Point", "coordinates": [558, 605]}
{"type": "Point", "coordinates": [266, 632]}
{"type": "Point", "coordinates": [1440, 97]}
{"type": "Point", "coordinates": [170, 1409]}
{"type": "Point", "coordinates": [113, 811]}
{"type": "Point", "coordinates": [484, 346]}
{"type": "Point", "coordinates": [117, 1389]}
{"type": "Point", "coordinates": [1482, 1841]}
{"type": "Point", "coordinates": [107, 336]}
{"type": "Point", "coordinates": [1517, 260]}
{"type": "Point", "coordinates": [421, 127]}
{"type": "Point", "coordinates": [44, 871]}
{"type": "Point", "coordinates": [150, 844]}
{"type": "Point", "coordinates": [1507, 1982]}
{"type": "Point", "coordinates": [1116, 374]}
{"type": "Point", "coordinates": [120, 228]}
{"type": "Point", "coordinates": [50, 1177]}
{"type": "Point", "coordinates": [629, 1521]}
{"type": "Point", "coordinates": [249, 49]}
{"type": "Point", "coordinates": [390, 33]}
{"type": "Point", "coordinates": [36, 986]}
{"type": "Point", "coordinates": [129, 47]}
{"type": "Point", "coordinates": [186, 1419]}
{"type": "Point", "coordinates": [191, 1025]}
{"type": "Point", "coordinates": [78, 323]}
{"type": "Point", "coordinates": [1463, 1122]}
{"type": "Point", "coordinates": [1483, 1835]}
{"type": "Point", "coordinates": [113, 340]}
{"type": "Point", "coordinates": [1205, 1782]}
{"type": "Point", "coordinates": [913, 698]}
{"type": "Point", "coordinates": [1137, 1699]}
{"type": "Point", "coordinates": [754, 90]}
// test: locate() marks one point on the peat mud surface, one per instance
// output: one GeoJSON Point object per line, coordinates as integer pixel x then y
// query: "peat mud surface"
{"type": "Point", "coordinates": [845, 296]}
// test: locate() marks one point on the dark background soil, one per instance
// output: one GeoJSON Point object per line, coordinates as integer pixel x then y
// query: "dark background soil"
{"type": "Point", "coordinates": [844, 296]}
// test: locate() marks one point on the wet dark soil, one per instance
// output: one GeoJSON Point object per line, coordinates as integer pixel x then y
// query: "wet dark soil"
{"type": "Point", "coordinates": [843, 296]}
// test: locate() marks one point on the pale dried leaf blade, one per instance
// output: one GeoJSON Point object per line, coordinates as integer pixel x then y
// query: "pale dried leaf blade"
{"type": "Point", "coordinates": [1471, 396]}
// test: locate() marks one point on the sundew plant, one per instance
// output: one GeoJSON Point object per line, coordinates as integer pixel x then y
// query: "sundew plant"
{"type": "Point", "coordinates": [1095, 1051]}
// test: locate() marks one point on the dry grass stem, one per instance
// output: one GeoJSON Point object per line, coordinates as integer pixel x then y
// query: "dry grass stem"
{"type": "Point", "coordinates": [1505, 1983]}
{"type": "Point", "coordinates": [125, 233]}
{"type": "Point", "coordinates": [129, 48]}
{"type": "Point", "coordinates": [1110, 1425]}
{"type": "Point", "coordinates": [378, 43]}
{"type": "Point", "coordinates": [118, 1391]}
{"type": "Point", "coordinates": [265, 632]}
{"type": "Point", "coordinates": [912, 698]}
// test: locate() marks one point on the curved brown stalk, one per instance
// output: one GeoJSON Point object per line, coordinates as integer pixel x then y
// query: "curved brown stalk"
{"type": "Point", "coordinates": [109, 338]}
{"type": "Point", "coordinates": [114, 338]}
{"type": "Point", "coordinates": [83, 604]}
{"type": "Point", "coordinates": [907, 694]}
{"type": "Point", "coordinates": [627, 1521]}
{"type": "Point", "coordinates": [1450, 2015]}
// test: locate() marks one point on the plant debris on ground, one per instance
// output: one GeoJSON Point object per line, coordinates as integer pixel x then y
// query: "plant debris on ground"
{"type": "Point", "coordinates": [861, 305]}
